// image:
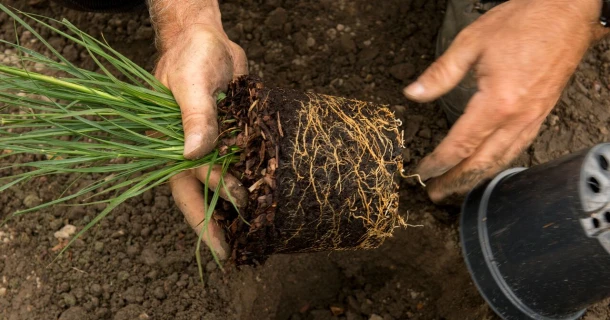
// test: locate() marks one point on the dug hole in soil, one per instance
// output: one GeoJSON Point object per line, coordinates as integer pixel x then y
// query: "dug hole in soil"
{"type": "Point", "coordinates": [140, 263]}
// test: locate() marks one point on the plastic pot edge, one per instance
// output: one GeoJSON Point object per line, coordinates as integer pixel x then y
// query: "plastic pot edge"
{"type": "Point", "coordinates": [513, 308]}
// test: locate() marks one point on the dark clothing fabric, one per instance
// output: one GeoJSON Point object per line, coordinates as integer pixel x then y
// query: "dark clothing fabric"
{"type": "Point", "coordinates": [102, 5]}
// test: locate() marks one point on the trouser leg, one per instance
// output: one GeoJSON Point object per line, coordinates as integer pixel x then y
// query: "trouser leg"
{"type": "Point", "coordinates": [459, 14]}
{"type": "Point", "coordinates": [102, 5]}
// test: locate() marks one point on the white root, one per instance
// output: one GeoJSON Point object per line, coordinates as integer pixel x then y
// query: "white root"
{"type": "Point", "coordinates": [402, 174]}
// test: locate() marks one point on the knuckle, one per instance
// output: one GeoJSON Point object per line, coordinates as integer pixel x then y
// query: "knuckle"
{"type": "Point", "coordinates": [178, 181]}
{"type": "Point", "coordinates": [198, 119]}
{"type": "Point", "coordinates": [507, 106]}
{"type": "Point", "coordinates": [464, 148]}
{"type": "Point", "coordinates": [183, 78]}
{"type": "Point", "coordinates": [203, 35]}
{"type": "Point", "coordinates": [471, 176]}
{"type": "Point", "coordinates": [432, 166]}
{"type": "Point", "coordinates": [239, 54]}
{"type": "Point", "coordinates": [486, 167]}
{"type": "Point", "coordinates": [506, 111]}
{"type": "Point", "coordinates": [466, 37]}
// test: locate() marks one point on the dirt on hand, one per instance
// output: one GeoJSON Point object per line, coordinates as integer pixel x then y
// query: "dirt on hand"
{"type": "Point", "coordinates": [139, 263]}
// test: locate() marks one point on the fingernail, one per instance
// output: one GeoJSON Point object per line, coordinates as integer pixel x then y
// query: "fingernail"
{"type": "Point", "coordinates": [193, 142]}
{"type": "Point", "coordinates": [432, 166]}
{"type": "Point", "coordinates": [431, 173]}
{"type": "Point", "coordinates": [415, 90]}
{"type": "Point", "coordinates": [422, 169]}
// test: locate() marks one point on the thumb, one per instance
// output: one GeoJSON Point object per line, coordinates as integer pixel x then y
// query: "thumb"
{"type": "Point", "coordinates": [446, 72]}
{"type": "Point", "coordinates": [198, 107]}
{"type": "Point", "coordinates": [199, 119]}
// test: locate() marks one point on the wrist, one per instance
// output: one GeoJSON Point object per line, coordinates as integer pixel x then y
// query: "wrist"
{"type": "Point", "coordinates": [171, 19]}
{"type": "Point", "coordinates": [604, 18]}
{"type": "Point", "coordinates": [589, 13]}
{"type": "Point", "coordinates": [594, 15]}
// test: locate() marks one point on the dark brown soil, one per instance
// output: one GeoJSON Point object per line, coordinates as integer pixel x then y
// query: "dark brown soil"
{"type": "Point", "coordinates": [321, 171]}
{"type": "Point", "coordinates": [140, 263]}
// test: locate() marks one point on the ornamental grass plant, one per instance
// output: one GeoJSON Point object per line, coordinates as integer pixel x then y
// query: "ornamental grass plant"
{"type": "Point", "coordinates": [320, 171]}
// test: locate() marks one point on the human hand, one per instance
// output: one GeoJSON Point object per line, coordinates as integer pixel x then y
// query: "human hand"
{"type": "Point", "coordinates": [197, 63]}
{"type": "Point", "coordinates": [187, 191]}
{"type": "Point", "coordinates": [523, 53]}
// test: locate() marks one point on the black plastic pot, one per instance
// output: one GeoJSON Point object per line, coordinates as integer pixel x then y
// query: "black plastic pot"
{"type": "Point", "coordinates": [537, 241]}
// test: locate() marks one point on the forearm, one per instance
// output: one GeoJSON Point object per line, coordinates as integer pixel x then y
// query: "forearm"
{"type": "Point", "coordinates": [171, 17]}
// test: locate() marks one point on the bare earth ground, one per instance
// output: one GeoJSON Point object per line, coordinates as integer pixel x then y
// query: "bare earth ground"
{"type": "Point", "coordinates": [140, 264]}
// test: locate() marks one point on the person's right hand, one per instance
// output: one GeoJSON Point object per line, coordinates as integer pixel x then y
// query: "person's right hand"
{"type": "Point", "coordinates": [197, 63]}
{"type": "Point", "coordinates": [523, 54]}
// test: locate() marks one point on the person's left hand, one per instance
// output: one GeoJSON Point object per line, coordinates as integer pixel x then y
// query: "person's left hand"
{"type": "Point", "coordinates": [198, 61]}
{"type": "Point", "coordinates": [523, 53]}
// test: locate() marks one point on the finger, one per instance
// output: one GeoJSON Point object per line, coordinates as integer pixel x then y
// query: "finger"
{"type": "Point", "coordinates": [198, 110]}
{"type": "Point", "coordinates": [188, 195]}
{"type": "Point", "coordinates": [448, 70]}
{"type": "Point", "coordinates": [240, 61]}
{"type": "Point", "coordinates": [232, 191]}
{"type": "Point", "coordinates": [467, 134]}
{"type": "Point", "coordinates": [495, 155]}
{"type": "Point", "coordinates": [199, 117]}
